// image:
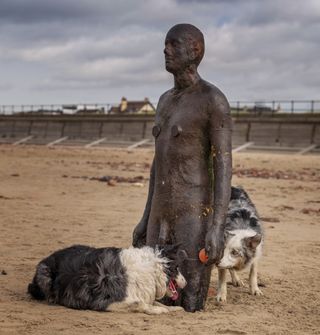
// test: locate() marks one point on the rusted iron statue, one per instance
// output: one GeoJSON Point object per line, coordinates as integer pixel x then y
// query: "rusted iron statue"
{"type": "Point", "coordinates": [190, 177]}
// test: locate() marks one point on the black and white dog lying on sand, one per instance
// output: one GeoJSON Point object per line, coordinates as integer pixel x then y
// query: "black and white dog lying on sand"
{"type": "Point", "coordinates": [109, 279]}
{"type": "Point", "coordinates": [243, 243]}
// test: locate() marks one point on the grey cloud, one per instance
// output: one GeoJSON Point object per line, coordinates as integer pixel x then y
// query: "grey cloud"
{"type": "Point", "coordinates": [253, 47]}
{"type": "Point", "coordinates": [6, 86]}
{"type": "Point", "coordinates": [88, 12]}
{"type": "Point", "coordinates": [287, 11]}
{"type": "Point", "coordinates": [21, 11]}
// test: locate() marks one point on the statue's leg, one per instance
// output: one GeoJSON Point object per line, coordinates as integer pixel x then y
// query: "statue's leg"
{"type": "Point", "coordinates": [158, 231]}
{"type": "Point", "coordinates": [153, 232]}
{"type": "Point", "coordinates": [194, 295]}
{"type": "Point", "coordinates": [190, 232]}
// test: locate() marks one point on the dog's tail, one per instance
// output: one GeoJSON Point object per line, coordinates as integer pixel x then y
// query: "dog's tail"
{"type": "Point", "coordinates": [41, 285]}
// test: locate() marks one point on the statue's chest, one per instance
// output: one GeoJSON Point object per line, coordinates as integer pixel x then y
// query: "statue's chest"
{"type": "Point", "coordinates": [179, 120]}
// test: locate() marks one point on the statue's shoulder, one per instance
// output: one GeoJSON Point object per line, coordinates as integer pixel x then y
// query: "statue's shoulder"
{"type": "Point", "coordinates": [213, 92]}
{"type": "Point", "coordinates": [217, 101]}
{"type": "Point", "coordinates": [166, 95]}
{"type": "Point", "coordinates": [164, 98]}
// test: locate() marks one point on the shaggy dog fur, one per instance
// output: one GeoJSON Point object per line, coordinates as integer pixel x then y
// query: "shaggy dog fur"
{"type": "Point", "coordinates": [243, 243]}
{"type": "Point", "coordinates": [109, 279]}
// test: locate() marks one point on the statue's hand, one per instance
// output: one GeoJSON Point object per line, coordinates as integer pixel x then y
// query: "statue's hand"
{"type": "Point", "coordinates": [139, 235]}
{"type": "Point", "coordinates": [214, 245]}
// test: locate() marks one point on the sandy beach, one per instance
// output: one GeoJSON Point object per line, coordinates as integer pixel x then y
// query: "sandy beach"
{"type": "Point", "coordinates": [52, 198]}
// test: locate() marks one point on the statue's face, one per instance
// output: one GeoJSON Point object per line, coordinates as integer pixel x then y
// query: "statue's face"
{"type": "Point", "coordinates": [176, 53]}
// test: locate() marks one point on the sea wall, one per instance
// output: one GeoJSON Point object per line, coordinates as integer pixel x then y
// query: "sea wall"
{"type": "Point", "coordinates": [288, 131]}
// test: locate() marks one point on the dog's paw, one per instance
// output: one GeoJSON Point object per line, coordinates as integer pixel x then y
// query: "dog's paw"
{"type": "Point", "coordinates": [221, 297]}
{"type": "Point", "coordinates": [175, 308]}
{"type": "Point", "coordinates": [155, 310]}
{"type": "Point", "coordinates": [169, 308]}
{"type": "Point", "coordinates": [256, 291]}
{"type": "Point", "coordinates": [238, 283]}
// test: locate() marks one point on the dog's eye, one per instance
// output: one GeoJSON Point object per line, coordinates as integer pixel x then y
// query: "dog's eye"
{"type": "Point", "coordinates": [235, 252]}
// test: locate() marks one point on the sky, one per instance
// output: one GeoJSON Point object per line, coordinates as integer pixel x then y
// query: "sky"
{"type": "Point", "coordinates": [97, 51]}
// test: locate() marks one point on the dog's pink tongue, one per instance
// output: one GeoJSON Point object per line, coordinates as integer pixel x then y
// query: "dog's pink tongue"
{"type": "Point", "coordinates": [175, 294]}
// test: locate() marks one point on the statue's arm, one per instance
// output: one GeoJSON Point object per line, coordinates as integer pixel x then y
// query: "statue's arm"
{"type": "Point", "coordinates": [221, 150]}
{"type": "Point", "coordinates": [140, 231]}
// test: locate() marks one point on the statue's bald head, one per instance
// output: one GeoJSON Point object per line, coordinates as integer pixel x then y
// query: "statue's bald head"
{"type": "Point", "coordinates": [192, 36]}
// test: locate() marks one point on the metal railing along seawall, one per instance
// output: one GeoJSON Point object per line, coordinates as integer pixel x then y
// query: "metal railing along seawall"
{"type": "Point", "coordinates": [238, 108]}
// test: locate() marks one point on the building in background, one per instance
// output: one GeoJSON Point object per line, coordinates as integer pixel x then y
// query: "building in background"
{"type": "Point", "coordinates": [133, 107]}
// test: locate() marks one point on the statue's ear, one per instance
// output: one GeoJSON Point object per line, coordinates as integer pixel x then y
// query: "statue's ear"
{"type": "Point", "coordinates": [194, 50]}
{"type": "Point", "coordinates": [253, 241]}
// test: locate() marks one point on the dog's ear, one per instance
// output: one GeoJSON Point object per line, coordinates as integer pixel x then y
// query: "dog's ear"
{"type": "Point", "coordinates": [253, 221]}
{"type": "Point", "coordinates": [170, 250]}
{"type": "Point", "coordinates": [228, 234]}
{"type": "Point", "coordinates": [236, 192]}
{"type": "Point", "coordinates": [181, 256]}
{"type": "Point", "coordinates": [176, 247]}
{"type": "Point", "coordinates": [253, 241]}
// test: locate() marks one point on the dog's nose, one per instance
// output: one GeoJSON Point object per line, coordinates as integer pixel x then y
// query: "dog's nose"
{"type": "Point", "coordinates": [221, 264]}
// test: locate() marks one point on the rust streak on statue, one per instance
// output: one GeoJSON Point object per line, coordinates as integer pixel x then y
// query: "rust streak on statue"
{"type": "Point", "coordinates": [190, 178]}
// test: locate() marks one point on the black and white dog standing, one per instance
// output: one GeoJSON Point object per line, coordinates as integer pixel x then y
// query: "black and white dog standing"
{"type": "Point", "coordinates": [243, 243]}
{"type": "Point", "coordinates": [109, 279]}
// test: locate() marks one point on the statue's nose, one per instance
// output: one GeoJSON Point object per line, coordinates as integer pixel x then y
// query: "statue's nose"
{"type": "Point", "coordinates": [167, 49]}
